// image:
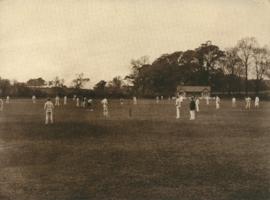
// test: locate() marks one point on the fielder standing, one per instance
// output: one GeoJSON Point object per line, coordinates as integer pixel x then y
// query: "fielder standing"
{"type": "Point", "coordinates": [1, 104]}
{"type": "Point", "coordinates": [257, 102]}
{"type": "Point", "coordinates": [207, 100]}
{"type": "Point", "coordinates": [57, 101]}
{"type": "Point", "coordinates": [48, 107]}
{"type": "Point", "coordinates": [248, 103]}
{"type": "Point", "coordinates": [78, 102]}
{"type": "Point", "coordinates": [104, 103]}
{"type": "Point", "coordinates": [197, 102]}
{"type": "Point", "coordinates": [7, 99]}
{"type": "Point", "coordinates": [65, 100]}
{"type": "Point", "coordinates": [192, 107]}
{"type": "Point", "coordinates": [135, 100]}
{"type": "Point", "coordinates": [178, 103]}
{"type": "Point", "coordinates": [217, 102]}
{"type": "Point", "coordinates": [233, 102]}
{"type": "Point", "coordinates": [34, 99]}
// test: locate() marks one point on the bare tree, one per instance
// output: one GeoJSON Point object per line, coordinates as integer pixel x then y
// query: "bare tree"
{"type": "Point", "coordinates": [79, 81]}
{"type": "Point", "coordinates": [261, 58]}
{"type": "Point", "coordinates": [245, 52]}
{"type": "Point", "coordinates": [57, 82]}
{"type": "Point", "coordinates": [230, 66]}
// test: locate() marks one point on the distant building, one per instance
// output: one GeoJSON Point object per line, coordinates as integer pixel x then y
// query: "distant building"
{"type": "Point", "coordinates": [193, 90]}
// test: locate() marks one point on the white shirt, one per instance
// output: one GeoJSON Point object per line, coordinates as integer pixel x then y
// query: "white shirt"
{"type": "Point", "coordinates": [179, 101]}
{"type": "Point", "coordinates": [104, 102]}
{"type": "Point", "coordinates": [257, 99]}
{"type": "Point", "coordinates": [48, 107]}
{"type": "Point", "coordinates": [248, 100]}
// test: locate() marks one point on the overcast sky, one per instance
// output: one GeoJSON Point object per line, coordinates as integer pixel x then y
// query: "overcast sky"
{"type": "Point", "coordinates": [48, 38]}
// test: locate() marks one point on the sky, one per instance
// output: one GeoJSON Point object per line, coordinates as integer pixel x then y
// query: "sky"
{"type": "Point", "coordinates": [49, 38]}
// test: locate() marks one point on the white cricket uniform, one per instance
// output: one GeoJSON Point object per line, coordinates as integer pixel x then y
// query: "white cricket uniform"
{"type": "Point", "coordinates": [34, 99]}
{"type": "Point", "coordinates": [178, 103]}
{"type": "Point", "coordinates": [134, 100]}
{"type": "Point", "coordinates": [197, 103]}
{"type": "Point", "coordinates": [157, 99]}
{"type": "Point", "coordinates": [233, 102]}
{"type": "Point", "coordinates": [90, 104]}
{"type": "Point", "coordinates": [84, 102]}
{"type": "Point", "coordinates": [257, 101]}
{"type": "Point", "coordinates": [248, 102]}
{"type": "Point", "coordinates": [65, 100]}
{"type": "Point", "coordinates": [1, 104]}
{"type": "Point", "coordinates": [121, 101]}
{"type": "Point", "coordinates": [57, 101]}
{"type": "Point", "coordinates": [207, 100]}
{"type": "Point", "coordinates": [217, 102]}
{"type": "Point", "coordinates": [7, 99]}
{"type": "Point", "coordinates": [77, 102]}
{"type": "Point", "coordinates": [48, 107]}
{"type": "Point", "coordinates": [104, 103]}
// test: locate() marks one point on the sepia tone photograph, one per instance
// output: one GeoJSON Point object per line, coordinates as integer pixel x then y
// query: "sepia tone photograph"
{"type": "Point", "coordinates": [135, 100]}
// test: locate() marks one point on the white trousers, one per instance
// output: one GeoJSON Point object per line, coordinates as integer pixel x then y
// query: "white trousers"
{"type": "Point", "coordinates": [57, 103]}
{"type": "Point", "coordinates": [197, 108]}
{"type": "Point", "coordinates": [217, 106]}
{"type": "Point", "coordinates": [248, 106]}
{"type": "Point", "coordinates": [192, 114]}
{"type": "Point", "coordinates": [105, 111]}
{"type": "Point", "coordinates": [177, 112]}
{"type": "Point", "coordinates": [49, 117]}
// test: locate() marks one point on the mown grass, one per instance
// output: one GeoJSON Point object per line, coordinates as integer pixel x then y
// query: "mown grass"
{"type": "Point", "coordinates": [150, 155]}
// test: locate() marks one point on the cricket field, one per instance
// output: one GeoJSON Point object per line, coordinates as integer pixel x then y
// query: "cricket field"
{"type": "Point", "coordinates": [141, 152]}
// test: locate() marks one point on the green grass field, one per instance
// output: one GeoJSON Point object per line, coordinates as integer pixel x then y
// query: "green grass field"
{"type": "Point", "coordinates": [224, 154]}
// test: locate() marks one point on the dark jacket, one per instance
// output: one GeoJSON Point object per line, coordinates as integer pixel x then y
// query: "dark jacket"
{"type": "Point", "coordinates": [192, 105]}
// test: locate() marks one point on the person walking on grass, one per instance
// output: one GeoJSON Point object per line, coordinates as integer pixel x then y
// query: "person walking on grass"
{"type": "Point", "coordinates": [192, 108]}
{"type": "Point", "coordinates": [48, 107]}
{"type": "Point", "coordinates": [1, 104]}
{"type": "Point", "coordinates": [178, 103]}
{"type": "Point", "coordinates": [257, 101]}
{"type": "Point", "coordinates": [105, 103]}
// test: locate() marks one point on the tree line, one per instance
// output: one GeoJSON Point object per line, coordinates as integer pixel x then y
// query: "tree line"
{"type": "Point", "coordinates": [236, 70]}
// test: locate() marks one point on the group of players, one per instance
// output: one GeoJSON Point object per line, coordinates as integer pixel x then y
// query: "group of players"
{"type": "Point", "coordinates": [194, 104]}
